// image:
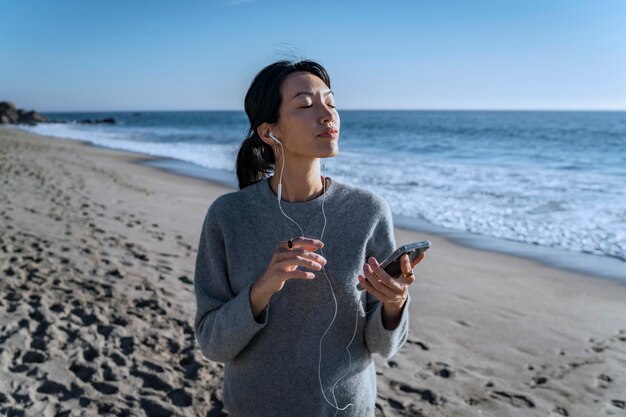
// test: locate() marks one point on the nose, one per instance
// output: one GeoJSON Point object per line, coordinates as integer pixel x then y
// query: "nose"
{"type": "Point", "coordinates": [328, 115]}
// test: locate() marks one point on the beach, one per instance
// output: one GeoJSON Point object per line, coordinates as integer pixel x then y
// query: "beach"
{"type": "Point", "coordinates": [97, 255]}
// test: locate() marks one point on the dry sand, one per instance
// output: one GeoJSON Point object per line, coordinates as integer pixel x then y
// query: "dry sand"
{"type": "Point", "coordinates": [96, 306]}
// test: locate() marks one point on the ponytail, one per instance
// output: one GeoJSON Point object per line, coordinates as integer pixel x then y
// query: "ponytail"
{"type": "Point", "coordinates": [255, 160]}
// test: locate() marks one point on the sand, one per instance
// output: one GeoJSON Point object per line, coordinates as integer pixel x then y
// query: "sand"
{"type": "Point", "coordinates": [96, 306]}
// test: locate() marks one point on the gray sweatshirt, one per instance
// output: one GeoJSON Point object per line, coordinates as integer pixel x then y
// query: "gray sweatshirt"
{"type": "Point", "coordinates": [271, 365]}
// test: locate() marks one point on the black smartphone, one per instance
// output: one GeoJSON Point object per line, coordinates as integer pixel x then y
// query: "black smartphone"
{"type": "Point", "coordinates": [391, 265]}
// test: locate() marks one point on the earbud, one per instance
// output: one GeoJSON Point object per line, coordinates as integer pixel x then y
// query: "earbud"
{"type": "Point", "coordinates": [274, 137]}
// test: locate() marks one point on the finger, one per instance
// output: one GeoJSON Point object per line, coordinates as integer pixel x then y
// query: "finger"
{"type": "Point", "coordinates": [418, 260]}
{"type": "Point", "coordinates": [406, 268]}
{"type": "Point", "coordinates": [304, 242]}
{"type": "Point", "coordinates": [290, 253]}
{"type": "Point", "coordinates": [384, 277]}
{"type": "Point", "coordinates": [292, 259]}
{"type": "Point", "coordinates": [367, 286]}
{"type": "Point", "coordinates": [385, 298]}
{"type": "Point", "coordinates": [298, 274]}
{"type": "Point", "coordinates": [380, 287]}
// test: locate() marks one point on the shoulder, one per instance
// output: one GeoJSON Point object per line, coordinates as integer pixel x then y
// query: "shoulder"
{"type": "Point", "coordinates": [229, 204]}
{"type": "Point", "coordinates": [363, 198]}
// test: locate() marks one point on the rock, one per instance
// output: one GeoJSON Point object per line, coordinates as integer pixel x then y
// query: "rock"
{"type": "Point", "coordinates": [107, 120]}
{"type": "Point", "coordinates": [30, 117]}
{"type": "Point", "coordinates": [9, 114]}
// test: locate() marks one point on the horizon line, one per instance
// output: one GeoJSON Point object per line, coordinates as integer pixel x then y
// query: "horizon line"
{"type": "Point", "coordinates": [340, 110]}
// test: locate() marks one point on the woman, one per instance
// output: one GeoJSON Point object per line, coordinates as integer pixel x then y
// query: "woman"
{"type": "Point", "coordinates": [295, 334]}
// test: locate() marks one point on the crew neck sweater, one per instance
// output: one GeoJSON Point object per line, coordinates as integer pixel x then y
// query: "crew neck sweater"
{"type": "Point", "coordinates": [271, 363]}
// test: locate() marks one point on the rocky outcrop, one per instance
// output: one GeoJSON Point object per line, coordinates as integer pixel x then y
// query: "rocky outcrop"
{"type": "Point", "coordinates": [9, 114]}
{"type": "Point", "coordinates": [106, 120]}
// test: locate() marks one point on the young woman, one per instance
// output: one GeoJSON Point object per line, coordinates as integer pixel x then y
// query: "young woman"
{"type": "Point", "coordinates": [279, 261]}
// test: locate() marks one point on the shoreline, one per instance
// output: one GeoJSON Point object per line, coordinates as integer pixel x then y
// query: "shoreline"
{"type": "Point", "coordinates": [100, 248]}
{"type": "Point", "coordinates": [592, 265]}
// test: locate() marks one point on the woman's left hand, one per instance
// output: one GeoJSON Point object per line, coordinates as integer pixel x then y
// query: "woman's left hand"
{"type": "Point", "coordinates": [392, 292]}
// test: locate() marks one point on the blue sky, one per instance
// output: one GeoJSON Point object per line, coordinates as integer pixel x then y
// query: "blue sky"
{"type": "Point", "coordinates": [202, 55]}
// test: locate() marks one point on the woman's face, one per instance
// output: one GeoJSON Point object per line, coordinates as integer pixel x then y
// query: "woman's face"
{"type": "Point", "coordinates": [306, 112]}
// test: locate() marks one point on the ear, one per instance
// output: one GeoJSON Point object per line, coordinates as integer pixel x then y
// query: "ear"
{"type": "Point", "coordinates": [263, 131]}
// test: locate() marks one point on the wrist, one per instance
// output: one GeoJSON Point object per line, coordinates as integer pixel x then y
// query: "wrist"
{"type": "Point", "coordinates": [259, 298]}
{"type": "Point", "coordinates": [394, 308]}
{"type": "Point", "coordinates": [392, 315]}
{"type": "Point", "coordinates": [260, 291]}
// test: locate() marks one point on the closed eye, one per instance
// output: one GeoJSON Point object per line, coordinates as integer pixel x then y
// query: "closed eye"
{"type": "Point", "coordinates": [306, 107]}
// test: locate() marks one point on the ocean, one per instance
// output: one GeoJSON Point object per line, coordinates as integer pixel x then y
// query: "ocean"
{"type": "Point", "coordinates": [549, 185]}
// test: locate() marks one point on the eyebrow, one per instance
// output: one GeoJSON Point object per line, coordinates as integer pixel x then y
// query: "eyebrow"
{"type": "Point", "coordinates": [311, 93]}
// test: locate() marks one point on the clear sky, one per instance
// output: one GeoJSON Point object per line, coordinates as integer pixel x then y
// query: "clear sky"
{"type": "Point", "coordinates": [72, 55]}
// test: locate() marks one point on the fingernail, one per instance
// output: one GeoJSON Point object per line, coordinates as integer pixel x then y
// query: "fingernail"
{"type": "Point", "coordinates": [372, 261]}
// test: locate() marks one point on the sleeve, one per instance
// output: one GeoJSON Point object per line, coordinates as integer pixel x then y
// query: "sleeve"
{"type": "Point", "coordinates": [224, 323]}
{"type": "Point", "coordinates": [380, 245]}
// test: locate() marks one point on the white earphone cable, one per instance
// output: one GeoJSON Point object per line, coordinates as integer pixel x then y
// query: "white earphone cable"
{"type": "Point", "coordinates": [319, 367]}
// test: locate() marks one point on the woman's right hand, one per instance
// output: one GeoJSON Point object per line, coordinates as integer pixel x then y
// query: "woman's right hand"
{"type": "Point", "coordinates": [282, 267]}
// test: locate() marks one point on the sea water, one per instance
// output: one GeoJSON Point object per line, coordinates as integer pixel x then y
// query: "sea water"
{"type": "Point", "coordinates": [548, 179]}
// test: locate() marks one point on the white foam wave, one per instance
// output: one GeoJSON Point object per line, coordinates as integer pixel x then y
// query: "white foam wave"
{"type": "Point", "coordinates": [538, 206]}
{"type": "Point", "coordinates": [206, 155]}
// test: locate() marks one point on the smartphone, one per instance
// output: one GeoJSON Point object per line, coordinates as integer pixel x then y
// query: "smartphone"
{"type": "Point", "coordinates": [391, 265]}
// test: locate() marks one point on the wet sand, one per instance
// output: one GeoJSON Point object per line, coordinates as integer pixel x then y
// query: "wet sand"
{"type": "Point", "coordinates": [96, 263]}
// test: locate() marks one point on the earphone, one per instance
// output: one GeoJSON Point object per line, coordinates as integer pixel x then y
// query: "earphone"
{"type": "Point", "coordinates": [280, 182]}
{"type": "Point", "coordinates": [319, 368]}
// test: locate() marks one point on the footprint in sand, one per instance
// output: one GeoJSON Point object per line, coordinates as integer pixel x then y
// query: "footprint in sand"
{"type": "Point", "coordinates": [185, 280]}
{"type": "Point", "coordinates": [620, 336]}
{"type": "Point", "coordinates": [153, 408]}
{"type": "Point", "coordinates": [84, 372]}
{"type": "Point", "coordinates": [118, 359]}
{"type": "Point", "coordinates": [127, 345]}
{"type": "Point", "coordinates": [516, 400]}
{"type": "Point", "coordinates": [561, 411]}
{"type": "Point", "coordinates": [189, 364]}
{"type": "Point", "coordinates": [90, 354]}
{"type": "Point", "coordinates": [115, 273]}
{"type": "Point", "coordinates": [86, 318]}
{"type": "Point", "coordinates": [604, 381]}
{"type": "Point", "coordinates": [151, 380]}
{"type": "Point", "coordinates": [424, 394]}
{"type": "Point", "coordinates": [62, 391]}
{"type": "Point", "coordinates": [422, 345]}
{"type": "Point", "coordinates": [538, 380]}
{"type": "Point", "coordinates": [180, 397]}
{"type": "Point", "coordinates": [440, 369]}
{"type": "Point", "coordinates": [105, 388]}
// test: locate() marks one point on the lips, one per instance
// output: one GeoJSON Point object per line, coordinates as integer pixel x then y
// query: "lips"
{"type": "Point", "coordinates": [329, 133]}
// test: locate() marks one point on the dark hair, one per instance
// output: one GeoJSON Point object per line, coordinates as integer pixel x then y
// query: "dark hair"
{"type": "Point", "coordinates": [255, 159]}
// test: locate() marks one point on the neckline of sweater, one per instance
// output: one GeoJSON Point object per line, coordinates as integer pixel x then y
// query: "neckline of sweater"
{"type": "Point", "coordinates": [266, 189]}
